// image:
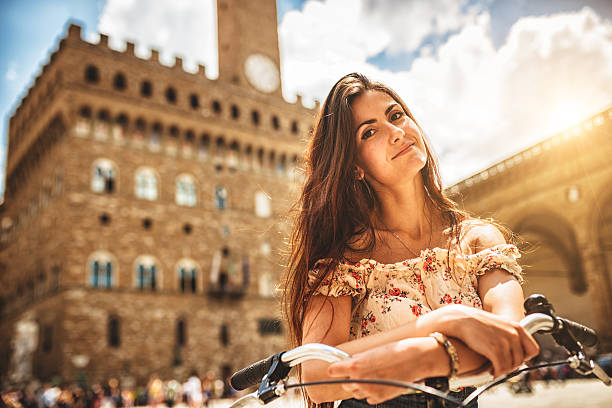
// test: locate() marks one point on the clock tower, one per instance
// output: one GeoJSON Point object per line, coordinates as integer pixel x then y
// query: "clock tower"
{"type": "Point", "coordinates": [248, 44]}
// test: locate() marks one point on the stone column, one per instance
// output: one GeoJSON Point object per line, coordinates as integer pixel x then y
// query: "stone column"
{"type": "Point", "coordinates": [596, 275]}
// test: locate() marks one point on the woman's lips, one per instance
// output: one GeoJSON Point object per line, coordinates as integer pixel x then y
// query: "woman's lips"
{"type": "Point", "coordinates": [404, 150]}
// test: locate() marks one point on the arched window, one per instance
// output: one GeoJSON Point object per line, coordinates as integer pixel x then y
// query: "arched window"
{"type": "Point", "coordinates": [281, 165]}
{"type": "Point", "coordinates": [139, 130]}
{"type": "Point", "coordinates": [101, 270]}
{"type": "Point", "coordinates": [171, 142]}
{"type": "Point", "coordinates": [262, 205]}
{"type": "Point", "coordinates": [216, 107]}
{"type": "Point", "coordinates": [92, 74]}
{"type": "Point", "coordinates": [275, 122]}
{"type": "Point", "coordinates": [194, 102]}
{"type": "Point", "coordinates": [102, 126]}
{"type": "Point", "coordinates": [155, 136]}
{"type": "Point", "coordinates": [271, 160]}
{"type": "Point", "coordinates": [103, 176]}
{"type": "Point", "coordinates": [232, 157]}
{"type": "Point", "coordinates": [146, 273]}
{"type": "Point", "coordinates": [114, 336]}
{"type": "Point", "coordinates": [185, 190]}
{"type": "Point", "coordinates": [259, 160]}
{"type": "Point", "coordinates": [146, 89]}
{"type": "Point", "coordinates": [119, 82]}
{"type": "Point", "coordinates": [146, 184]}
{"type": "Point", "coordinates": [294, 127]}
{"type": "Point", "coordinates": [219, 158]}
{"type": "Point", "coordinates": [221, 197]}
{"type": "Point", "coordinates": [255, 117]}
{"type": "Point", "coordinates": [203, 146]}
{"type": "Point", "coordinates": [188, 142]}
{"type": "Point", "coordinates": [247, 160]}
{"type": "Point", "coordinates": [235, 112]}
{"type": "Point", "coordinates": [120, 127]}
{"type": "Point", "coordinates": [83, 124]}
{"type": "Point", "coordinates": [171, 95]}
{"type": "Point", "coordinates": [187, 273]}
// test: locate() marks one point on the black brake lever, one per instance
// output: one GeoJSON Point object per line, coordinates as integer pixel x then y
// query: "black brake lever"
{"type": "Point", "coordinates": [268, 389]}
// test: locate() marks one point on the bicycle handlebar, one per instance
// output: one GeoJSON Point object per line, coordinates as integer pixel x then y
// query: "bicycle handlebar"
{"type": "Point", "coordinates": [253, 374]}
{"type": "Point", "coordinates": [541, 318]}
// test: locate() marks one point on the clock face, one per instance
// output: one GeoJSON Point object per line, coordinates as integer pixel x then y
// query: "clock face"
{"type": "Point", "coordinates": [262, 73]}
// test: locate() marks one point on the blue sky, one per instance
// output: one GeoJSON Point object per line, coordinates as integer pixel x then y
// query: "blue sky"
{"type": "Point", "coordinates": [331, 37]}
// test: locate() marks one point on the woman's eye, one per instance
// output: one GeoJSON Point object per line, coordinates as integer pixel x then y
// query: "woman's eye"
{"type": "Point", "coordinates": [367, 134]}
{"type": "Point", "coordinates": [396, 115]}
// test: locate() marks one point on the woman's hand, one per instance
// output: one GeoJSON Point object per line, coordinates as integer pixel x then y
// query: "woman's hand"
{"type": "Point", "coordinates": [406, 360]}
{"type": "Point", "coordinates": [501, 341]}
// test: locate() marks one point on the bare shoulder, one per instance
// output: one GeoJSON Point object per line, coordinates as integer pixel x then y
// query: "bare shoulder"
{"type": "Point", "coordinates": [479, 235]}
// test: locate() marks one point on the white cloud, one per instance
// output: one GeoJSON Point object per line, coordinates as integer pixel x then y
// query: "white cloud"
{"type": "Point", "coordinates": [477, 104]}
{"type": "Point", "coordinates": [185, 28]}
{"type": "Point", "coordinates": [410, 22]}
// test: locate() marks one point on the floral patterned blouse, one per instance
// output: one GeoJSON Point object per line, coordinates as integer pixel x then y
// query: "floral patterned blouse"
{"type": "Point", "coordinates": [388, 295]}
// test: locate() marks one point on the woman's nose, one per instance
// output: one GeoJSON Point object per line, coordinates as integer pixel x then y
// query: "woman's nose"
{"type": "Point", "coordinates": [396, 134]}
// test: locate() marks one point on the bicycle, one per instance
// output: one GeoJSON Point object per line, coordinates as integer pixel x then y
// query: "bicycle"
{"type": "Point", "coordinates": [272, 373]}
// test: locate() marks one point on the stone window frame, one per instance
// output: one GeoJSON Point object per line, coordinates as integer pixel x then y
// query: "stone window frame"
{"type": "Point", "coordinates": [113, 331]}
{"type": "Point", "coordinates": [155, 136]}
{"type": "Point", "coordinates": [221, 197]}
{"type": "Point", "coordinates": [120, 126]}
{"type": "Point", "coordinates": [204, 146]}
{"type": "Point", "coordinates": [190, 266]}
{"type": "Point", "coordinates": [104, 176]}
{"type": "Point", "coordinates": [84, 124]}
{"type": "Point", "coordinates": [146, 89]}
{"type": "Point", "coordinates": [92, 74]}
{"type": "Point", "coordinates": [154, 280]}
{"type": "Point", "coordinates": [235, 112]}
{"type": "Point", "coordinates": [194, 101]}
{"type": "Point", "coordinates": [181, 332]}
{"type": "Point", "coordinates": [143, 188]}
{"type": "Point", "coordinates": [102, 125]}
{"type": "Point", "coordinates": [255, 117]}
{"type": "Point", "coordinates": [171, 95]}
{"type": "Point", "coordinates": [104, 258]}
{"type": "Point", "coordinates": [120, 82]}
{"type": "Point", "coordinates": [186, 190]}
{"type": "Point", "coordinates": [275, 121]}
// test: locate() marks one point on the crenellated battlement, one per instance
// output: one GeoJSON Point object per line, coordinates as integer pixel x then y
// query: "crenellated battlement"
{"type": "Point", "coordinates": [121, 78]}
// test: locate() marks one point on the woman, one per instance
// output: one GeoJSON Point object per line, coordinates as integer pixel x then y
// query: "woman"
{"type": "Point", "coordinates": [377, 250]}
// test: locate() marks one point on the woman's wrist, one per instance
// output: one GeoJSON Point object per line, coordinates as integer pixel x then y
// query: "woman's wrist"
{"type": "Point", "coordinates": [437, 363]}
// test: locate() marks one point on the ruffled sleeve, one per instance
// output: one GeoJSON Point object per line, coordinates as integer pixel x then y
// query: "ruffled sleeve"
{"type": "Point", "coordinates": [347, 279]}
{"type": "Point", "coordinates": [502, 257]}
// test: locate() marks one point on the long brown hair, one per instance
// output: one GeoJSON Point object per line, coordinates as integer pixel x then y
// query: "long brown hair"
{"type": "Point", "coordinates": [335, 208]}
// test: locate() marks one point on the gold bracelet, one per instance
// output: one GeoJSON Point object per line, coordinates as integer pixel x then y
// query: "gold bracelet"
{"type": "Point", "coordinates": [450, 350]}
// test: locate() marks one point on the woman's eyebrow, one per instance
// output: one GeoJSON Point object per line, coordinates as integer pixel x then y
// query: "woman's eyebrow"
{"type": "Point", "coordinates": [367, 122]}
{"type": "Point", "coordinates": [393, 105]}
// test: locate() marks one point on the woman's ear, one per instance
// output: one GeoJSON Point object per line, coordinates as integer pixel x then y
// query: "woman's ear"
{"type": "Point", "coordinates": [359, 173]}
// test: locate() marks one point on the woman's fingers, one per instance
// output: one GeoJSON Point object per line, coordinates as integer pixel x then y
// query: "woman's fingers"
{"type": "Point", "coordinates": [530, 345]}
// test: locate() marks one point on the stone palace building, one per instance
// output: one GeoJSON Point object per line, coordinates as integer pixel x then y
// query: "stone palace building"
{"type": "Point", "coordinates": [145, 209]}
{"type": "Point", "coordinates": [144, 220]}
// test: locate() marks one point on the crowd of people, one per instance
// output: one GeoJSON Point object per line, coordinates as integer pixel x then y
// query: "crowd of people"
{"type": "Point", "coordinates": [194, 392]}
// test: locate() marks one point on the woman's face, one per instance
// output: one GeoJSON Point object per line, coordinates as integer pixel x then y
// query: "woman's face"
{"type": "Point", "coordinates": [390, 148]}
